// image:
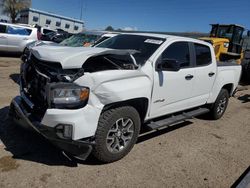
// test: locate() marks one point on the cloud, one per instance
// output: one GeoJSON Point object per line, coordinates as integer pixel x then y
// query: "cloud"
{"type": "Point", "coordinates": [130, 29]}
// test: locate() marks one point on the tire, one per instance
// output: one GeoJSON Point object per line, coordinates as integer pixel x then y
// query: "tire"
{"type": "Point", "coordinates": [220, 105]}
{"type": "Point", "coordinates": [116, 134]}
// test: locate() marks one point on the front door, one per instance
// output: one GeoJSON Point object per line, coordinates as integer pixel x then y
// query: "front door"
{"type": "Point", "coordinates": [173, 89]}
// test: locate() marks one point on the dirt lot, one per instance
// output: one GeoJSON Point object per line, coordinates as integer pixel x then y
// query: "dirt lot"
{"type": "Point", "coordinates": [197, 153]}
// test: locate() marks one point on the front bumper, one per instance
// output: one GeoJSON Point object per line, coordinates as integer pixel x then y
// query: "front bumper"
{"type": "Point", "coordinates": [22, 115]}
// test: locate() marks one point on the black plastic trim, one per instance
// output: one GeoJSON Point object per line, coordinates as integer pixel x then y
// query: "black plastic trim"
{"type": "Point", "coordinates": [23, 117]}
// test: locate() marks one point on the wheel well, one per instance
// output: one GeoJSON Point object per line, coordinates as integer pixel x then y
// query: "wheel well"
{"type": "Point", "coordinates": [229, 88]}
{"type": "Point", "coordinates": [140, 104]}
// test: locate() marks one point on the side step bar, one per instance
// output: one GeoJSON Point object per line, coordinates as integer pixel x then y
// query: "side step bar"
{"type": "Point", "coordinates": [176, 118]}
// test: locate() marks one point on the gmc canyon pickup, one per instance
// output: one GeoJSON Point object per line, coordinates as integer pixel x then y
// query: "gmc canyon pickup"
{"type": "Point", "coordinates": [97, 99]}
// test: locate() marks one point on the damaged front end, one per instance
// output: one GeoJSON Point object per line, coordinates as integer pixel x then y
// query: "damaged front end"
{"type": "Point", "coordinates": [39, 83]}
{"type": "Point", "coordinates": [47, 85]}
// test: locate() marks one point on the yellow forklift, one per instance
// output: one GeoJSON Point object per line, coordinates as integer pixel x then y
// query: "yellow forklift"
{"type": "Point", "coordinates": [227, 40]}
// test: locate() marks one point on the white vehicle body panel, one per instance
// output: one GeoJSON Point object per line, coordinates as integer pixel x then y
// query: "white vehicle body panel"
{"type": "Point", "coordinates": [16, 42]}
{"type": "Point", "coordinates": [166, 92]}
{"type": "Point", "coordinates": [80, 119]}
{"type": "Point", "coordinates": [225, 74]}
{"type": "Point", "coordinates": [3, 42]}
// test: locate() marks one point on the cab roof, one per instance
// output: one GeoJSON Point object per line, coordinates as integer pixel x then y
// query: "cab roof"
{"type": "Point", "coordinates": [228, 25]}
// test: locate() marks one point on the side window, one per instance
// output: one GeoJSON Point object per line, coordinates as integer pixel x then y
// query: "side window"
{"type": "Point", "coordinates": [2, 28]}
{"type": "Point", "coordinates": [67, 26]}
{"type": "Point", "coordinates": [76, 27]}
{"type": "Point", "coordinates": [18, 31]}
{"type": "Point", "coordinates": [178, 51]}
{"type": "Point", "coordinates": [48, 21]}
{"type": "Point", "coordinates": [203, 55]}
{"type": "Point", "coordinates": [35, 19]}
{"type": "Point", "coordinates": [45, 31]}
{"type": "Point", "coordinates": [58, 24]}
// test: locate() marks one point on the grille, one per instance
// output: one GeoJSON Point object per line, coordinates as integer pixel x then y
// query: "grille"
{"type": "Point", "coordinates": [35, 76]}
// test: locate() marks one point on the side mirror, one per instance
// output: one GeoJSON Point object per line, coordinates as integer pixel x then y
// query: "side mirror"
{"type": "Point", "coordinates": [168, 65]}
{"type": "Point", "coordinates": [248, 33]}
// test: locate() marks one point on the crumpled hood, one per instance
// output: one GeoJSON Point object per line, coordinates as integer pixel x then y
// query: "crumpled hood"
{"type": "Point", "coordinates": [72, 57]}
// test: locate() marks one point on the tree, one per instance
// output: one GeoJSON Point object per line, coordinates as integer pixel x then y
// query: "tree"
{"type": "Point", "coordinates": [109, 28]}
{"type": "Point", "coordinates": [13, 7]}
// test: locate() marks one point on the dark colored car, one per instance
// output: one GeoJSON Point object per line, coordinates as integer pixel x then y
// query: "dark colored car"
{"type": "Point", "coordinates": [56, 36]}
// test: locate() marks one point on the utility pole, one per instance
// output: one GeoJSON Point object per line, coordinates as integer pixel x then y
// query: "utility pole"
{"type": "Point", "coordinates": [81, 9]}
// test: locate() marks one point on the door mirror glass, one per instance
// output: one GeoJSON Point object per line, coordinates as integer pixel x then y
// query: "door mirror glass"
{"type": "Point", "coordinates": [168, 65]}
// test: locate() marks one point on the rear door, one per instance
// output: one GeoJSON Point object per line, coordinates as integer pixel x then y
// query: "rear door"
{"type": "Point", "coordinates": [17, 38]}
{"type": "Point", "coordinates": [3, 37]}
{"type": "Point", "coordinates": [204, 75]}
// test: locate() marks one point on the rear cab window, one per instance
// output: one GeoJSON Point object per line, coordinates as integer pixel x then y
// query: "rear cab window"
{"type": "Point", "coordinates": [203, 54]}
{"type": "Point", "coordinates": [18, 31]}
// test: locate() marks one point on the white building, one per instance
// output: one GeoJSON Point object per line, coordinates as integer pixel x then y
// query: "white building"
{"type": "Point", "coordinates": [49, 20]}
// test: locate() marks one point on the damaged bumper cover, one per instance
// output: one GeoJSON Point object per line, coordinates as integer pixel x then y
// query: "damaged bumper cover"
{"type": "Point", "coordinates": [21, 115]}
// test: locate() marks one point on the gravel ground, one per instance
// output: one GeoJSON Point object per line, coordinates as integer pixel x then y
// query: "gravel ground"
{"type": "Point", "coordinates": [197, 153]}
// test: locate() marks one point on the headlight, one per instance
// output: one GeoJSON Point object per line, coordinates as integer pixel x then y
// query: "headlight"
{"type": "Point", "coordinates": [68, 96]}
{"type": "Point", "coordinates": [226, 44]}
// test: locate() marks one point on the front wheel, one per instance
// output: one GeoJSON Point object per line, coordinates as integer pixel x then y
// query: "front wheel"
{"type": "Point", "coordinates": [117, 132]}
{"type": "Point", "coordinates": [220, 105]}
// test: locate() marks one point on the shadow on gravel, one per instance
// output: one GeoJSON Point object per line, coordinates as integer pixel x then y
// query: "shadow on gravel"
{"type": "Point", "coordinates": [15, 78]}
{"type": "Point", "coordinates": [10, 54]}
{"type": "Point", "coordinates": [244, 98]}
{"type": "Point", "coordinates": [30, 146]}
{"type": "Point", "coordinates": [27, 145]}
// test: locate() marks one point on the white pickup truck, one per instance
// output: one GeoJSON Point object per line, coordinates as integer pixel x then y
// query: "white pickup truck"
{"type": "Point", "coordinates": [97, 99]}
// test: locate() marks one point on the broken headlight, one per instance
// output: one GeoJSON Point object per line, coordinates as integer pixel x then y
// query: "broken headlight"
{"type": "Point", "coordinates": [68, 96]}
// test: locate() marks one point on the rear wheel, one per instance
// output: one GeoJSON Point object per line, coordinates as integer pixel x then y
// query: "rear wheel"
{"type": "Point", "coordinates": [220, 105]}
{"type": "Point", "coordinates": [116, 134]}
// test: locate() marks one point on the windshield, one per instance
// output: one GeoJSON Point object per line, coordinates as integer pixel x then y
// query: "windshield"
{"type": "Point", "coordinates": [80, 40]}
{"type": "Point", "coordinates": [222, 31]}
{"type": "Point", "coordinates": [145, 45]}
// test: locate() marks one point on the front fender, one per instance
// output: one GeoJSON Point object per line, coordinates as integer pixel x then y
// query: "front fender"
{"type": "Point", "coordinates": [124, 89]}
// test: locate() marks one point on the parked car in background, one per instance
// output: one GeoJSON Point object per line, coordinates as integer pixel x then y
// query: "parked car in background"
{"type": "Point", "coordinates": [56, 36]}
{"type": "Point", "coordinates": [14, 38]}
{"type": "Point", "coordinates": [87, 38]}
{"type": "Point", "coordinates": [84, 39]}
{"type": "Point", "coordinates": [45, 31]}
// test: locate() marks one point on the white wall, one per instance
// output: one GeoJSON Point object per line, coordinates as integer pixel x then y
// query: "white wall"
{"type": "Point", "coordinates": [42, 22]}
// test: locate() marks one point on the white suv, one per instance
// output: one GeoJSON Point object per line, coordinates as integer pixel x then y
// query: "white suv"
{"type": "Point", "coordinates": [14, 37]}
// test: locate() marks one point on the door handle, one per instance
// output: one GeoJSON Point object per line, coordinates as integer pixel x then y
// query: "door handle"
{"type": "Point", "coordinates": [25, 39]}
{"type": "Point", "coordinates": [2, 37]}
{"type": "Point", "coordinates": [211, 74]}
{"type": "Point", "coordinates": [189, 77]}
